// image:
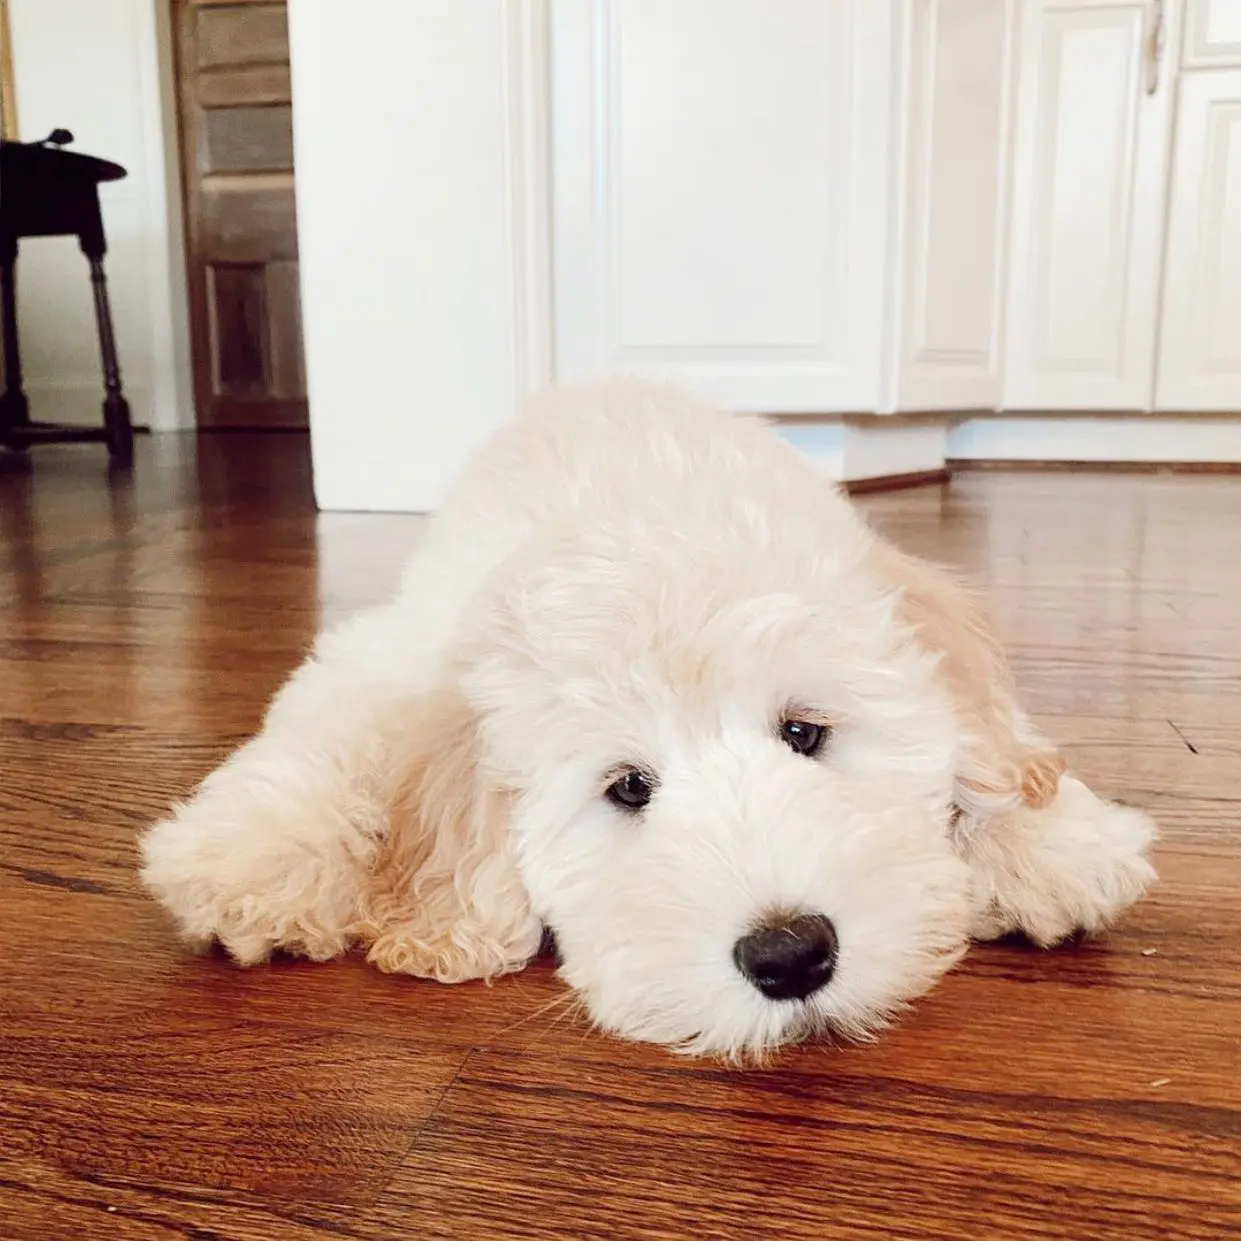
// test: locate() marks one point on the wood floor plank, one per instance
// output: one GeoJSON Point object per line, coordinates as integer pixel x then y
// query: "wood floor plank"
{"type": "Point", "coordinates": [43, 1203]}
{"type": "Point", "coordinates": [810, 1149]}
{"type": "Point", "coordinates": [220, 1104]}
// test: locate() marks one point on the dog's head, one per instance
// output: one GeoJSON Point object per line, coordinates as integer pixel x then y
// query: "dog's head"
{"type": "Point", "coordinates": [730, 767]}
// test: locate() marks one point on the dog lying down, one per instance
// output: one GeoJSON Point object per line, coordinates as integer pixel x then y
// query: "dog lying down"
{"type": "Point", "coordinates": [650, 682]}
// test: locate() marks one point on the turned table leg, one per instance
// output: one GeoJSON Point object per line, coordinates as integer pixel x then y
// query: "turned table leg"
{"type": "Point", "coordinates": [14, 407]}
{"type": "Point", "coordinates": [115, 407]}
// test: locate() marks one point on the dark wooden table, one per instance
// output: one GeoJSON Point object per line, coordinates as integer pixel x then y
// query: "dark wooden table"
{"type": "Point", "coordinates": [50, 192]}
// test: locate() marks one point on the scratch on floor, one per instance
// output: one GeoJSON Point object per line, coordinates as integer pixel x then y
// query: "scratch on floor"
{"type": "Point", "coordinates": [1189, 745]}
{"type": "Point", "coordinates": [46, 879]}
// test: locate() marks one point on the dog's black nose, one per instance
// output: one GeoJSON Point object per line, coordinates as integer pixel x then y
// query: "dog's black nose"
{"type": "Point", "coordinates": [788, 959]}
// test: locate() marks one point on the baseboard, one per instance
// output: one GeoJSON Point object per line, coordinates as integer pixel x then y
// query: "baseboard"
{"type": "Point", "coordinates": [870, 453]}
{"type": "Point", "coordinates": [878, 452]}
{"type": "Point", "coordinates": [898, 482]}
{"type": "Point", "coordinates": [1204, 441]}
{"type": "Point", "coordinates": [1031, 466]}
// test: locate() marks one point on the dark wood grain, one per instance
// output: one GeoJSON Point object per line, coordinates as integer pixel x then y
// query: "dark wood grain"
{"type": "Point", "coordinates": [1090, 1092]}
{"type": "Point", "coordinates": [310, 1116]}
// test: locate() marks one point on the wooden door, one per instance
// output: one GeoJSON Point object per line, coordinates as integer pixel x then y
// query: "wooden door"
{"type": "Point", "coordinates": [235, 105]}
{"type": "Point", "coordinates": [1200, 337]}
{"type": "Point", "coordinates": [1092, 121]}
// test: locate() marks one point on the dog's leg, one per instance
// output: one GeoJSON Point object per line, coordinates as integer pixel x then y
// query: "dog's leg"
{"type": "Point", "coordinates": [444, 898]}
{"type": "Point", "coordinates": [1074, 864]}
{"type": "Point", "coordinates": [1048, 856]}
{"type": "Point", "coordinates": [1004, 761]}
{"type": "Point", "coordinates": [272, 850]}
{"type": "Point", "coordinates": [312, 835]}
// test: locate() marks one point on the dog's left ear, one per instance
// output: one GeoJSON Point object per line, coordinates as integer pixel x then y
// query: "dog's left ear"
{"type": "Point", "coordinates": [1004, 761]}
{"type": "Point", "coordinates": [445, 898]}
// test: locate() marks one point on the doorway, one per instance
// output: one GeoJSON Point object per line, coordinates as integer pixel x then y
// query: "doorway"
{"type": "Point", "coordinates": [235, 114]}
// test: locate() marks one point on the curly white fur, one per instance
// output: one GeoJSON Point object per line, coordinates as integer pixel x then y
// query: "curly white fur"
{"type": "Point", "coordinates": [623, 578]}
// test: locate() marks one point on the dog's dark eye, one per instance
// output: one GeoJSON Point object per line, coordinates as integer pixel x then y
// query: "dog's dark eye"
{"type": "Point", "coordinates": [804, 737]}
{"type": "Point", "coordinates": [631, 791]}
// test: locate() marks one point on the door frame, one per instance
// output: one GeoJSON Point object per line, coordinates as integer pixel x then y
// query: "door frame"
{"type": "Point", "coordinates": [8, 96]}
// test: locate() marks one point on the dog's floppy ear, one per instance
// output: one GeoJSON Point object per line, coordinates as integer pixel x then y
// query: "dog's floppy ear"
{"type": "Point", "coordinates": [1004, 761]}
{"type": "Point", "coordinates": [445, 899]}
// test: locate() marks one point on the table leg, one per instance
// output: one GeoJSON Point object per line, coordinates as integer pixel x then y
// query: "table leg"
{"type": "Point", "coordinates": [115, 407]}
{"type": "Point", "coordinates": [14, 407]}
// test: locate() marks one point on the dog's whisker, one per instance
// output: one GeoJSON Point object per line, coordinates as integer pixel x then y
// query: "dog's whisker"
{"type": "Point", "coordinates": [569, 1011]}
{"type": "Point", "coordinates": [564, 1002]}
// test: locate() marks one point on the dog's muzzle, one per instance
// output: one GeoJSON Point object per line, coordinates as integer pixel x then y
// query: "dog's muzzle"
{"type": "Point", "coordinates": [788, 958]}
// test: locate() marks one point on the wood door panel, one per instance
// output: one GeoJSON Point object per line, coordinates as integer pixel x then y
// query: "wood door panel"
{"type": "Point", "coordinates": [256, 331]}
{"type": "Point", "coordinates": [248, 219]}
{"type": "Point", "coordinates": [247, 84]}
{"type": "Point", "coordinates": [247, 139]}
{"type": "Point", "coordinates": [238, 304]}
{"type": "Point", "coordinates": [241, 212]}
{"type": "Point", "coordinates": [287, 371]}
{"type": "Point", "coordinates": [240, 34]}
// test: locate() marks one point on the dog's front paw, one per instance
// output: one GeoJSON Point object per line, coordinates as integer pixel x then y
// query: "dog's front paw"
{"type": "Point", "coordinates": [230, 875]}
{"type": "Point", "coordinates": [1074, 865]}
{"type": "Point", "coordinates": [403, 951]}
{"type": "Point", "coordinates": [456, 957]}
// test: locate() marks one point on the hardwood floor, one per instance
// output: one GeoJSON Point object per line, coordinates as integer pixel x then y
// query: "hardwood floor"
{"type": "Point", "coordinates": [1090, 1092]}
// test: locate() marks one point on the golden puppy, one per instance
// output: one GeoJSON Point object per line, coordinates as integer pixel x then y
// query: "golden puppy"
{"type": "Point", "coordinates": [649, 681]}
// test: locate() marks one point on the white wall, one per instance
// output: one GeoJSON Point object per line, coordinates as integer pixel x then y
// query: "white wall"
{"type": "Point", "coordinates": [94, 67]}
{"type": "Point", "coordinates": [424, 261]}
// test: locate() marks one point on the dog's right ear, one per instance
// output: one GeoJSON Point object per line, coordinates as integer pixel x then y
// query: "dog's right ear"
{"type": "Point", "coordinates": [1004, 761]}
{"type": "Point", "coordinates": [444, 897]}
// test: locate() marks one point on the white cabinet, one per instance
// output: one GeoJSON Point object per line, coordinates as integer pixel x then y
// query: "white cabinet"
{"type": "Point", "coordinates": [1093, 114]}
{"type": "Point", "coordinates": [793, 206]}
{"type": "Point", "coordinates": [796, 206]}
{"type": "Point", "coordinates": [718, 174]}
{"type": "Point", "coordinates": [821, 206]}
{"type": "Point", "coordinates": [1124, 290]}
{"type": "Point", "coordinates": [956, 148]}
{"type": "Point", "coordinates": [1212, 33]}
{"type": "Point", "coordinates": [1200, 335]}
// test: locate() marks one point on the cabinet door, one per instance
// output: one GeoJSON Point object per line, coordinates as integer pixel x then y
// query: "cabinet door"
{"type": "Point", "coordinates": [1212, 33]}
{"type": "Point", "coordinates": [1088, 199]}
{"type": "Point", "coordinates": [1200, 332]}
{"type": "Point", "coordinates": [957, 133]}
{"type": "Point", "coordinates": [720, 171]}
